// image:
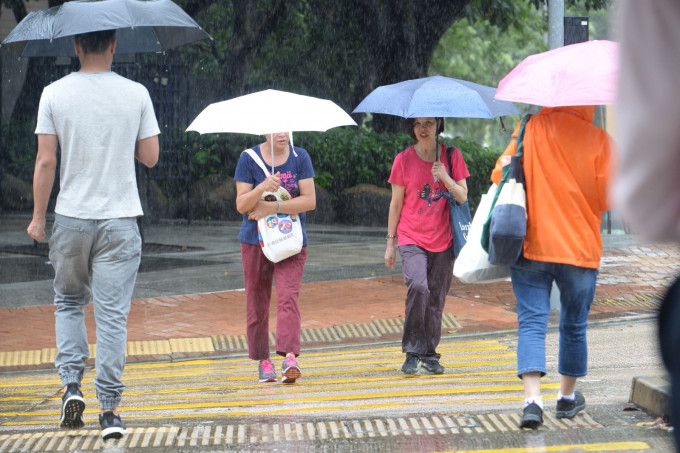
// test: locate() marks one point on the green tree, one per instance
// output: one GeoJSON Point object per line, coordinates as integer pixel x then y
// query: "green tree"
{"type": "Point", "coordinates": [483, 50]}
{"type": "Point", "coordinates": [340, 50]}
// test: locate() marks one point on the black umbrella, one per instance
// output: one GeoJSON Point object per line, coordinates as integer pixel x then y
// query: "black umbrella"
{"type": "Point", "coordinates": [142, 26]}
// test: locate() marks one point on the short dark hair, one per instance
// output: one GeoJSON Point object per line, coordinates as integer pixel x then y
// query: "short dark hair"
{"type": "Point", "coordinates": [410, 122]}
{"type": "Point", "coordinates": [96, 41]}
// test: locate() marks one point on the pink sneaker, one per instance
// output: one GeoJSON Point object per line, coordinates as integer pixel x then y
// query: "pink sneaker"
{"type": "Point", "coordinates": [290, 370]}
{"type": "Point", "coordinates": [267, 372]}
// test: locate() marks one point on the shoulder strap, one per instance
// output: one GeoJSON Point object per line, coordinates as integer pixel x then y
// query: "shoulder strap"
{"type": "Point", "coordinates": [449, 153]}
{"type": "Point", "coordinates": [520, 135]}
{"type": "Point", "coordinates": [258, 160]}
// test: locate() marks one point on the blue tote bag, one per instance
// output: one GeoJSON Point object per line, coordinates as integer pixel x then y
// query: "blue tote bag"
{"type": "Point", "coordinates": [506, 227]}
{"type": "Point", "coordinates": [459, 214]}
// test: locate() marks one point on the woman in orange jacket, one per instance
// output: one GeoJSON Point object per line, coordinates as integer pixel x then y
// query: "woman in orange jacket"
{"type": "Point", "coordinates": [566, 167]}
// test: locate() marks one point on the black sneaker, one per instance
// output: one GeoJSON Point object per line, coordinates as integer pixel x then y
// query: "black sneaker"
{"type": "Point", "coordinates": [72, 407]}
{"type": "Point", "coordinates": [532, 417]}
{"type": "Point", "coordinates": [432, 367]}
{"type": "Point", "coordinates": [568, 409]}
{"type": "Point", "coordinates": [112, 426]}
{"type": "Point", "coordinates": [410, 365]}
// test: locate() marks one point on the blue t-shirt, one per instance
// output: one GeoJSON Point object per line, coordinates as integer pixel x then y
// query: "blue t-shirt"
{"type": "Point", "coordinates": [293, 170]}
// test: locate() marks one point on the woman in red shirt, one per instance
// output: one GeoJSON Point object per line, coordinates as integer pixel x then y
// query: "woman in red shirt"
{"type": "Point", "coordinates": [419, 223]}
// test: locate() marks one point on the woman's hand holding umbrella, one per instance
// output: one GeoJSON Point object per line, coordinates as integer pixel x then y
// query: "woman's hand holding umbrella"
{"type": "Point", "coordinates": [271, 183]}
{"type": "Point", "coordinates": [440, 174]}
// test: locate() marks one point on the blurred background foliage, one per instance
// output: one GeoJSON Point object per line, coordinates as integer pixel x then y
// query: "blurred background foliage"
{"type": "Point", "coordinates": [338, 50]}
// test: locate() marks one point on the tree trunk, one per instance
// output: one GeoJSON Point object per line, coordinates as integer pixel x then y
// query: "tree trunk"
{"type": "Point", "coordinates": [251, 29]}
{"type": "Point", "coordinates": [400, 38]}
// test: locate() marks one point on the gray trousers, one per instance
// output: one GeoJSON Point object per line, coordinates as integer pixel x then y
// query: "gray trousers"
{"type": "Point", "coordinates": [98, 260]}
{"type": "Point", "coordinates": [427, 276]}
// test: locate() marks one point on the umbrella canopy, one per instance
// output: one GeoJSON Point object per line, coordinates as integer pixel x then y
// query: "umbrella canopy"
{"type": "Point", "coordinates": [270, 111]}
{"type": "Point", "coordinates": [142, 26]}
{"type": "Point", "coordinates": [436, 96]}
{"type": "Point", "coordinates": [579, 74]}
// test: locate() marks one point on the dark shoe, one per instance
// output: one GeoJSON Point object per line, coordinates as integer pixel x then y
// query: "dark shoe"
{"type": "Point", "coordinates": [432, 367]}
{"type": "Point", "coordinates": [410, 365]}
{"type": "Point", "coordinates": [532, 417]}
{"type": "Point", "coordinates": [72, 408]}
{"type": "Point", "coordinates": [568, 409]}
{"type": "Point", "coordinates": [112, 426]}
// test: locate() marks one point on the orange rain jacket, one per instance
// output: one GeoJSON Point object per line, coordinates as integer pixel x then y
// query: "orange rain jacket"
{"type": "Point", "coordinates": [566, 166]}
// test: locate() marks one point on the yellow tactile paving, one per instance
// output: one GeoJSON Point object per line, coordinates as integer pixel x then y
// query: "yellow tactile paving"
{"type": "Point", "coordinates": [149, 347]}
{"type": "Point", "coordinates": [203, 344]}
{"type": "Point", "coordinates": [216, 343]}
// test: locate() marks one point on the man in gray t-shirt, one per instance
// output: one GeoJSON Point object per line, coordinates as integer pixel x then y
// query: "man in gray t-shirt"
{"type": "Point", "coordinates": [102, 122]}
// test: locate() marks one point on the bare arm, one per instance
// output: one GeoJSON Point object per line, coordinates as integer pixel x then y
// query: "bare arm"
{"type": "Point", "coordinates": [304, 202]}
{"type": "Point", "coordinates": [457, 188]}
{"type": "Point", "coordinates": [396, 205]}
{"type": "Point", "coordinates": [43, 180]}
{"type": "Point", "coordinates": [247, 195]}
{"type": "Point", "coordinates": [147, 150]}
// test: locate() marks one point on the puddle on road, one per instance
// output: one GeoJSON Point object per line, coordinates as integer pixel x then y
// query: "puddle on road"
{"type": "Point", "coordinates": [28, 263]}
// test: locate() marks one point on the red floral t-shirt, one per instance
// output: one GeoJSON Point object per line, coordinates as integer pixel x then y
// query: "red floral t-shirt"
{"type": "Point", "coordinates": [424, 222]}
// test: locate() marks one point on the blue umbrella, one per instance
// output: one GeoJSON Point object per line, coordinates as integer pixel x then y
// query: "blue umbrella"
{"type": "Point", "coordinates": [436, 96]}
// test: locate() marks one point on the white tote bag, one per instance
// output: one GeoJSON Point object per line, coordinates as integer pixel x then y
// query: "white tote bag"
{"type": "Point", "coordinates": [472, 264]}
{"type": "Point", "coordinates": [280, 235]}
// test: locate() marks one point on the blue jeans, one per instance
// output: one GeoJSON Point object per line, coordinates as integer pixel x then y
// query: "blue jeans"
{"type": "Point", "coordinates": [532, 282]}
{"type": "Point", "coordinates": [98, 260]}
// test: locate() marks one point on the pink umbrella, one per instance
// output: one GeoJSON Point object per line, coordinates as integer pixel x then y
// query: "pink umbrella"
{"type": "Point", "coordinates": [578, 74]}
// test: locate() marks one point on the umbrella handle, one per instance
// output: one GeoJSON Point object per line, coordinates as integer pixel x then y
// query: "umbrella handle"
{"type": "Point", "coordinates": [436, 153]}
{"type": "Point", "coordinates": [271, 145]}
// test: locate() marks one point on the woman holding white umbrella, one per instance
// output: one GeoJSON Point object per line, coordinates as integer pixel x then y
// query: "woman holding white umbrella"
{"type": "Point", "coordinates": [419, 222]}
{"type": "Point", "coordinates": [292, 169]}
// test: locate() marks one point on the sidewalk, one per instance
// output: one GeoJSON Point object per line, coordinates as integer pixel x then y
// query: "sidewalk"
{"type": "Point", "coordinates": [632, 279]}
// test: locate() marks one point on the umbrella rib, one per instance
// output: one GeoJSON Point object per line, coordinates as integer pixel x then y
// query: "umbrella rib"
{"type": "Point", "coordinates": [130, 15]}
{"type": "Point", "coordinates": [54, 22]}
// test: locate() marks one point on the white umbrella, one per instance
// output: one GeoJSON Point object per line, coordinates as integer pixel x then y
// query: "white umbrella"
{"type": "Point", "coordinates": [269, 111]}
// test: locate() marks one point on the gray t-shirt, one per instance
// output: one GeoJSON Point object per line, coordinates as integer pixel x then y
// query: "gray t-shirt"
{"type": "Point", "coordinates": [97, 118]}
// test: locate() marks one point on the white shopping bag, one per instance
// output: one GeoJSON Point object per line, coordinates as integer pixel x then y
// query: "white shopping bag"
{"type": "Point", "coordinates": [472, 264]}
{"type": "Point", "coordinates": [280, 235]}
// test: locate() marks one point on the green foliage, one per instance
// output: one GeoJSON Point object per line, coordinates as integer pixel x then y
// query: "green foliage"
{"type": "Point", "coordinates": [346, 157]}
{"type": "Point", "coordinates": [217, 153]}
{"type": "Point", "coordinates": [18, 150]}
{"type": "Point", "coordinates": [492, 38]}
{"type": "Point", "coordinates": [477, 49]}
{"type": "Point", "coordinates": [342, 157]}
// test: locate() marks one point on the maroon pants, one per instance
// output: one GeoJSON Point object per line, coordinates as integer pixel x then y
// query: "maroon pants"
{"type": "Point", "coordinates": [258, 274]}
{"type": "Point", "coordinates": [428, 277]}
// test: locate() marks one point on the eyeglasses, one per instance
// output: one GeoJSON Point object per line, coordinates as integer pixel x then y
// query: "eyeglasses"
{"type": "Point", "coordinates": [429, 124]}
